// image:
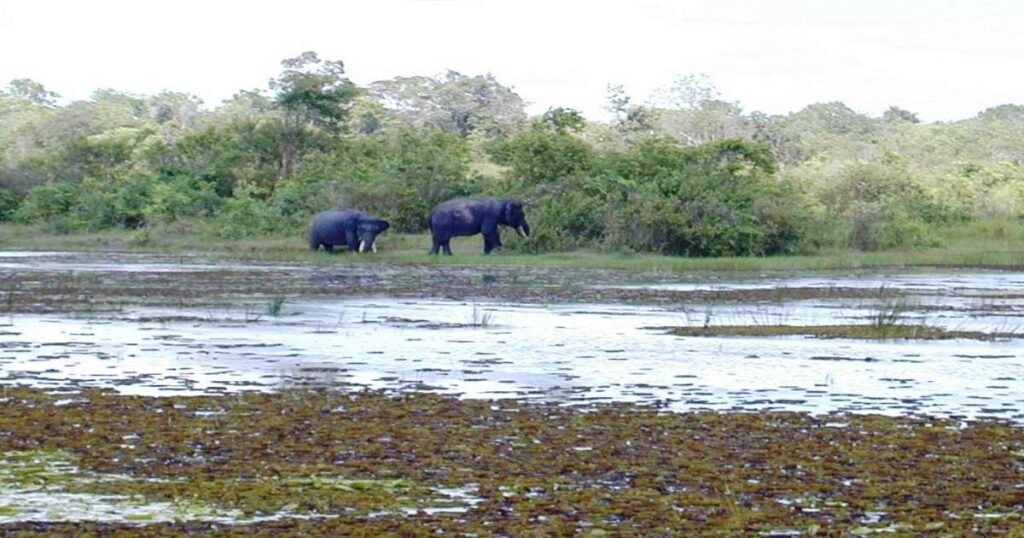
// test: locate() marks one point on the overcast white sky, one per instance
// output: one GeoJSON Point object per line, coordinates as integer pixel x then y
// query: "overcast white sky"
{"type": "Point", "coordinates": [943, 59]}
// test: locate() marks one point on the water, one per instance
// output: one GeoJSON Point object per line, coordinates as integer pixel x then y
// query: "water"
{"type": "Point", "coordinates": [393, 328]}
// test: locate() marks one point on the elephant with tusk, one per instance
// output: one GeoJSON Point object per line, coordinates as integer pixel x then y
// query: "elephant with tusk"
{"type": "Point", "coordinates": [471, 216]}
{"type": "Point", "coordinates": [349, 227]}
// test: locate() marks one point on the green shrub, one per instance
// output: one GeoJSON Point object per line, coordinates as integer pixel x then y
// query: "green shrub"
{"type": "Point", "coordinates": [10, 200]}
{"type": "Point", "coordinates": [881, 226]}
{"type": "Point", "coordinates": [181, 198]}
{"type": "Point", "coordinates": [125, 200]}
{"type": "Point", "coordinates": [719, 199]}
{"type": "Point", "coordinates": [46, 203]}
{"type": "Point", "coordinates": [245, 215]}
{"type": "Point", "coordinates": [884, 206]}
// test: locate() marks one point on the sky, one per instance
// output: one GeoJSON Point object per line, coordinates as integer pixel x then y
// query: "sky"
{"type": "Point", "coordinates": [941, 59]}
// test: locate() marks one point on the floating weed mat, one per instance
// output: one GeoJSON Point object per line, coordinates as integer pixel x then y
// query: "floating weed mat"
{"type": "Point", "coordinates": [108, 292]}
{"type": "Point", "coordinates": [857, 332]}
{"type": "Point", "coordinates": [314, 463]}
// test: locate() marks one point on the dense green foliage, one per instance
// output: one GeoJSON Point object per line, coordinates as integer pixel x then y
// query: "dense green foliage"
{"type": "Point", "coordinates": [693, 175]}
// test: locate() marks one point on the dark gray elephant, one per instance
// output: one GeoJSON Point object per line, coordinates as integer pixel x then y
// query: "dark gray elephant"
{"type": "Point", "coordinates": [345, 227]}
{"type": "Point", "coordinates": [471, 216]}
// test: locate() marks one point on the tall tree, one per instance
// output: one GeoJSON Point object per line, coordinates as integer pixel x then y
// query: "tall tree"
{"type": "Point", "coordinates": [313, 95]}
{"type": "Point", "coordinates": [711, 119]}
{"type": "Point", "coordinates": [630, 119]}
{"type": "Point", "coordinates": [31, 91]}
{"type": "Point", "coordinates": [687, 91]}
{"type": "Point", "coordinates": [452, 102]}
{"type": "Point", "coordinates": [897, 114]}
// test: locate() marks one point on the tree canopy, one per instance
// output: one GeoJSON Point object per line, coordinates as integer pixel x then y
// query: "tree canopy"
{"type": "Point", "coordinates": [686, 173]}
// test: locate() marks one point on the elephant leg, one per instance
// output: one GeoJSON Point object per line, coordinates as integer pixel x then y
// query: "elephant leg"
{"type": "Point", "coordinates": [492, 242]}
{"type": "Point", "coordinates": [434, 247]}
{"type": "Point", "coordinates": [447, 246]}
{"type": "Point", "coordinates": [351, 240]}
{"type": "Point", "coordinates": [328, 248]}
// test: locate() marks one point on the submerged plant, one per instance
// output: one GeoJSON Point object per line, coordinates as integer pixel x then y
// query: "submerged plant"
{"type": "Point", "coordinates": [275, 305]}
{"type": "Point", "coordinates": [890, 314]}
{"type": "Point", "coordinates": [857, 331]}
{"type": "Point", "coordinates": [482, 318]}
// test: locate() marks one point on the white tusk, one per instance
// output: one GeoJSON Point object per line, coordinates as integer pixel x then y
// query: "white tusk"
{"type": "Point", "coordinates": [362, 246]}
{"type": "Point", "coordinates": [373, 246]}
{"type": "Point", "coordinates": [521, 231]}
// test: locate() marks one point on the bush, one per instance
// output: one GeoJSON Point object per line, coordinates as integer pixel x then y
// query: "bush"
{"type": "Point", "coordinates": [170, 201]}
{"type": "Point", "coordinates": [883, 206]}
{"type": "Point", "coordinates": [881, 226]}
{"type": "Point", "coordinates": [564, 220]}
{"type": "Point", "coordinates": [245, 215]}
{"type": "Point", "coordinates": [10, 200]}
{"type": "Point", "coordinates": [125, 200]}
{"type": "Point", "coordinates": [719, 199]}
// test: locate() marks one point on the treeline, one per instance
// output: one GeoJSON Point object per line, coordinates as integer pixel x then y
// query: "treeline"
{"type": "Point", "coordinates": [688, 174]}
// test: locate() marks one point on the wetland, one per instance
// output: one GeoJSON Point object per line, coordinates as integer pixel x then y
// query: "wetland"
{"type": "Point", "coordinates": [167, 394]}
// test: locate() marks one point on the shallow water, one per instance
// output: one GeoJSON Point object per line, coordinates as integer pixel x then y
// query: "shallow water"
{"type": "Point", "coordinates": [571, 352]}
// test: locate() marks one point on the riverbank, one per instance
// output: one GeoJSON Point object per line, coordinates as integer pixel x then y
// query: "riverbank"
{"type": "Point", "coordinates": [980, 245]}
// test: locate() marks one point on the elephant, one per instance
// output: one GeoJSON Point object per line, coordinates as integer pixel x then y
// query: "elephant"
{"type": "Point", "coordinates": [470, 216]}
{"type": "Point", "coordinates": [352, 228]}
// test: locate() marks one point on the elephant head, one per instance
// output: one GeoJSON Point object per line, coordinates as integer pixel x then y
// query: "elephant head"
{"type": "Point", "coordinates": [514, 216]}
{"type": "Point", "coordinates": [368, 229]}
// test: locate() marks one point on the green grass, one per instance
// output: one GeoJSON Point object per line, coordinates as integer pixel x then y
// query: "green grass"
{"type": "Point", "coordinates": [993, 244]}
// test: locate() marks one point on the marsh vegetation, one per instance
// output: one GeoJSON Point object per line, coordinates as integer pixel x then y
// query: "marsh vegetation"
{"type": "Point", "coordinates": [167, 394]}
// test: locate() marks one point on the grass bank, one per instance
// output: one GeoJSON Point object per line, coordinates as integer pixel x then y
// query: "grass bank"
{"type": "Point", "coordinates": [990, 244]}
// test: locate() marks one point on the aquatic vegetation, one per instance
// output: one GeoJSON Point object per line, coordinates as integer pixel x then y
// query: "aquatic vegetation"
{"type": "Point", "coordinates": [188, 283]}
{"type": "Point", "coordinates": [481, 318]}
{"type": "Point", "coordinates": [369, 463]}
{"type": "Point", "coordinates": [36, 469]}
{"type": "Point", "coordinates": [275, 305]}
{"type": "Point", "coordinates": [295, 461]}
{"type": "Point", "coordinates": [869, 331]}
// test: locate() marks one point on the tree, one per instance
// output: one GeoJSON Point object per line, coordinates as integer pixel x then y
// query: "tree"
{"type": "Point", "coordinates": [452, 102]}
{"type": "Point", "coordinates": [831, 129]}
{"type": "Point", "coordinates": [32, 92]}
{"type": "Point", "coordinates": [709, 120]}
{"type": "Point", "coordinates": [1008, 113]}
{"type": "Point", "coordinates": [312, 95]}
{"type": "Point", "coordinates": [172, 108]}
{"type": "Point", "coordinates": [562, 120]}
{"type": "Point", "coordinates": [897, 114]}
{"type": "Point", "coordinates": [630, 119]}
{"type": "Point", "coordinates": [687, 92]}
{"type": "Point", "coordinates": [545, 153]}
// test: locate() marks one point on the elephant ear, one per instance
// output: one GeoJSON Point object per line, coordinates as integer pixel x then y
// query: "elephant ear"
{"type": "Point", "coordinates": [510, 210]}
